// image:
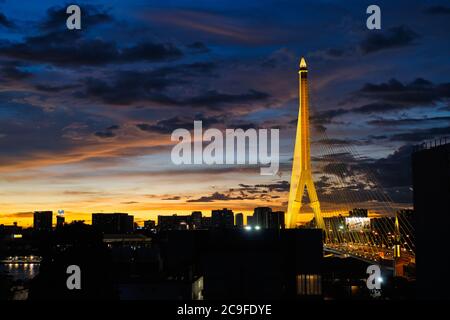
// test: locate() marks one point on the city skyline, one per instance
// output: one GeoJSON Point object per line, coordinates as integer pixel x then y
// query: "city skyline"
{"type": "Point", "coordinates": [89, 133]}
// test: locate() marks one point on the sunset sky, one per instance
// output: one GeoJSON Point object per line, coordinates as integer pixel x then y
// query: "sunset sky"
{"type": "Point", "coordinates": [86, 116]}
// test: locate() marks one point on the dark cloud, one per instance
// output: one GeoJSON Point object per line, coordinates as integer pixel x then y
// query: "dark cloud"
{"type": "Point", "coordinates": [134, 86]}
{"type": "Point", "coordinates": [438, 10]}
{"type": "Point", "coordinates": [421, 135]}
{"type": "Point", "coordinates": [337, 142]}
{"type": "Point", "coordinates": [215, 99]}
{"type": "Point", "coordinates": [30, 136]}
{"type": "Point", "coordinates": [323, 183]}
{"type": "Point", "coordinates": [392, 38]}
{"type": "Point", "coordinates": [406, 121]}
{"type": "Point", "coordinates": [333, 52]}
{"type": "Point", "coordinates": [18, 215]}
{"type": "Point", "coordinates": [150, 52]}
{"type": "Point", "coordinates": [342, 168]}
{"type": "Point", "coordinates": [105, 134]}
{"type": "Point", "coordinates": [5, 22]}
{"type": "Point", "coordinates": [198, 47]}
{"type": "Point", "coordinates": [248, 192]}
{"type": "Point", "coordinates": [242, 125]}
{"type": "Point", "coordinates": [336, 53]}
{"type": "Point", "coordinates": [108, 133]}
{"type": "Point", "coordinates": [326, 117]}
{"type": "Point", "coordinates": [167, 126]}
{"type": "Point", "coordinates": [356, 179]}
{"type": "Point", "coordinates": [419, 91]}
{"type": "Point", "coordinates": [216, 196]}
{"type": "Point", "coordinates": [12, 71]}
{"type": "Point", "coordinates": [378, 107]}
{"type": "Point", "coordinates": [378, 137]}
{"type": "Point", "coordinates": [279, 186]}
{"type": "Point", "coordinates": [127, 87]}
{"type": "Point", "coordinates": [392, 171]}
{"type": "Point", "coordinates": [62, 49]}
{"type": "Point", "coordinates": [186, 70]}
{"type": "Point", "coordinates": [71, 49]}
{"type": "Point", "coordinates": [58, 88]}
{"type": "Point", "coordinates": [390, 96]}
{"type": "Point", "coordinates": [320, 128]}
{"type": "Point", "coordinates": [172, 198]}
{"type": "Point", "coordinates": [374, 41]}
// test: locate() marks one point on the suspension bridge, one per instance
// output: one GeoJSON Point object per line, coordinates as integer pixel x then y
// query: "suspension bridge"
{"type": "Point", "coordinates": [358, 217]}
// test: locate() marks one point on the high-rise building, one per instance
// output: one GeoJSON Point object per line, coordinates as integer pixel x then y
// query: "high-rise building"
{"type": "Point", "coordinates": [239, 220]}
{"type": "Point", "coordinates": [223, 218]}
{"type": "Point", "coordinates": [113, 223]}
{"type": "Point", "coordinates": [174, 222]}
{"type": "Point", "coordinates": [149, 224]}
{"type": "Point", "coordinates": [43, 220]}
{"type": "Point", "coordinates": [262, 217]}
{"type": "Point", "coordinates": [206, 222]}
{"type": "Point", "coordinates": [265, 218]}
{"type": "Point", "coordinates": [277, 220]}
{"type": "Point", "coordinates": [60, 221]}
{"type": "Point", "coordinates": [196, 220]}
{"type": "Point", "coordinates": [431, 193]}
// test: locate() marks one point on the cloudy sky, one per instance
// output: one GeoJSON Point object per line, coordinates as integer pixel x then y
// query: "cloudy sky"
{"type": "Point", "coordinates": [86, 116]}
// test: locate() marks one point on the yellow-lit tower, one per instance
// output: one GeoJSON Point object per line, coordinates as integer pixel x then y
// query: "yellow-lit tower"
{"type": "Point", "coordinates": [301, 166]}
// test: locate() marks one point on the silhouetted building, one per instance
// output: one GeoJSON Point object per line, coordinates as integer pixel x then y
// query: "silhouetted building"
{"type": "Point", "coordinates": [196, 220]}
{"type": "Point", "coordinates": [223, 218]}
{"type": "Point", "coordinates": [206, 222]}
{"type": "Point", "coordinates": [261, 217]}
{"type": "Point", "coordinates": [149, 224]}
{"type": "Point", "coordinates": [249, 220]}
{"type": "Point", "coordinates": [174, 222]}
{"type": "Point", "coordinates": [43, 220]}
{"type": "Point", "coordinates": [11, 231]}
{"type": "Point", "coordinates": [239, 220]}
{"type": "Point", "coordinates": [276, 220]}
{"type": "Point", "coordinates": [262, 264]}
{"type": "Point", "coordinates": [431, 191]}
{"type": "Point", "coordinates": [113, 223]}
{"type": "Point", "coordinates": [247, 264]}
{"type": "Point", "coordinates": [60, 221]}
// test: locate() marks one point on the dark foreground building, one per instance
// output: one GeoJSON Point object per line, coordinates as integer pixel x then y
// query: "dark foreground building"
{"type": "Point", "coordinates": [243, 264]}
{"type": "Point", "coordinates": [431, 183]}
{"type": "Point", "coordinates": [113, 223]}
{"type": "Point", "coordinates": [42, 220]}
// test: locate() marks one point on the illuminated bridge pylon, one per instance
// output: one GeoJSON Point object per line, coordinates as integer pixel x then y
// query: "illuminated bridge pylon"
{"type": "Point", "coordinates": [301, 177]}
{"type": "Point", "coordinates": [357, 216]}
